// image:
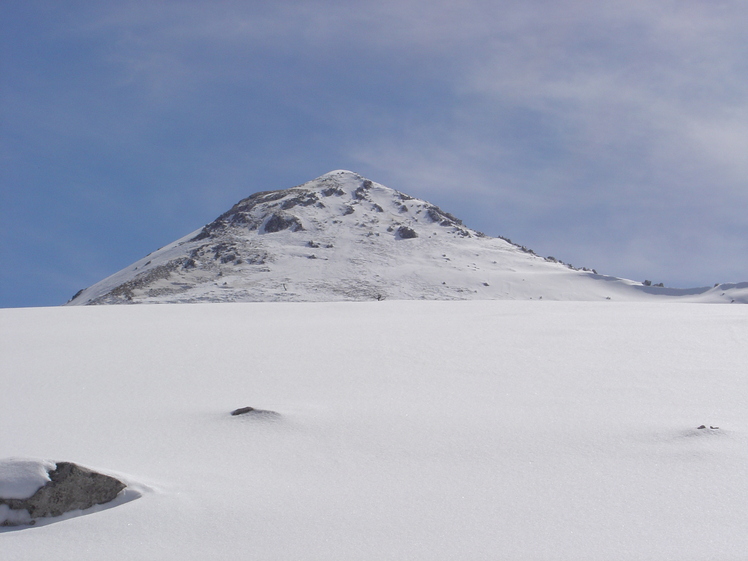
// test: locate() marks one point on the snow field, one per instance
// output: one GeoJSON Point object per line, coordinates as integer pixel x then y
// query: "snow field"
{"type": "Point", "coordinates": [409, 429]}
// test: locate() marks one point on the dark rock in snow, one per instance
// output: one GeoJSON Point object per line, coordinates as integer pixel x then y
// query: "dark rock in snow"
{"type": "Point", "coordinates": [304, 199]}
{"type": "Point", "coordinates": [282, 221]}
{"type": "Point", "coordinates": [71, 487]}
{"type": "Point", "coordinates": [330, 191]}
{"type": "Point", "coordinates": [405, 233]}
{"type": "Point", "coordinates": [252, 412]}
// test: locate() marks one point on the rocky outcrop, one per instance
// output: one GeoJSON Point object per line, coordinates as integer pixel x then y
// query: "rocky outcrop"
{"type": "Point", "coordinates": [405, 233]}
{"type": "Point", "coordinates": [282, 221]}
{"type": "Point", "coordinates": [70, 487]}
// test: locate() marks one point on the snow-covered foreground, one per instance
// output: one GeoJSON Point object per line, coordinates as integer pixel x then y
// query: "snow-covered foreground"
{"type": "Point", "coordinates": [408, 430]}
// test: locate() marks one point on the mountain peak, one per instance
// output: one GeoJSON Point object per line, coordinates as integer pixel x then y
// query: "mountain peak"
{"type": "Point", "coordinates": [336, 172]}
{"type": "Point", "coordinates": [344, 237]}
{"type": "Point", "coordinates": [322, 203]}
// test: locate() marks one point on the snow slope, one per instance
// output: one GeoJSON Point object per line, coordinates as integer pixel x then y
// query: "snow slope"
{"type": "Point", "coordinates": [408, 429]}
{"type": "Point", "coordinates": [343, 237]}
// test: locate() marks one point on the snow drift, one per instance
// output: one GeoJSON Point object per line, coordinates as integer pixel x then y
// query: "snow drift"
{"type": "Point", "coordinates": [405, 430]}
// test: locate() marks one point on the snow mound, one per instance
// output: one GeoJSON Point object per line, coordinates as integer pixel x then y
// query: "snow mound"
{"type": "Point", "coordinates": [21, 478]}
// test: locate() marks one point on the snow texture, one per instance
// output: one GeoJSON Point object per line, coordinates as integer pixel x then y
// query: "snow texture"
{"type": "Point", "coordinates": [20, 478]}
{"type": "Point", "coordinates": [405, 430]}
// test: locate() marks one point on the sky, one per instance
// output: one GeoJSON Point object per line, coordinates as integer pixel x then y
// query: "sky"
{"type": "Point", "coordinates": [611, 135]}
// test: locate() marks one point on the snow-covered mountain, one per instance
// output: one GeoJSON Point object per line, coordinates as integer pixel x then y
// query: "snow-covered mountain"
{"type": "Point", "coordinates": [344, 237]}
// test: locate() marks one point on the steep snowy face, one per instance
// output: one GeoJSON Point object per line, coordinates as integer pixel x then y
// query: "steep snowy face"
{"type": "Point", "coordinates": [344, 237]}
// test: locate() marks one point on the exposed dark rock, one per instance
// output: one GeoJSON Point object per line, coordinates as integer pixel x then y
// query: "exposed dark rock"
{"type": "Point", "coordinates": [264, 197]}
{"type": "Point", "coordinates": [233, 219]}
{"type": "Point", "coordinates": [443, 218]}
{"type": "Point", "coordinates": [243, 220]}
{"type": "Point", "coordinates": [238, 215]}
{"type": "Point", "coordinates": [243, 410]}
{"type": "Point", "coordinates": [348, 209]}
{"type": "Point", "coordinates": [282, 221]}
{"type": "Point", "coordinates": [224, 252]}
{"type": "Point", "coordinates": [304, 199]}
{"type": "Point", "coordinates": [405, 233]}
{"type": "Point", "coordinates": [258, 413]}
{"type": "Point", "coordinates": [71, 487]}
{"type": "Point", "coordinates": [333, 191]}
{"type": "Point", "coordinates": [360, 193]}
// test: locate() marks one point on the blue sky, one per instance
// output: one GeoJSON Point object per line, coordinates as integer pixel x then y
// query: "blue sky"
{"type": "Point", "coordinates": [612, 135]}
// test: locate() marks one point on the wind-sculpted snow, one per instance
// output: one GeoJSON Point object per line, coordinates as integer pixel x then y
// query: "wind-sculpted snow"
{"type": "Point", "coordinates": [20, 478]}
{"type": "Point", "coordinates": [344, 237]}
{"type": "Point", "coordinates": [401, 430]}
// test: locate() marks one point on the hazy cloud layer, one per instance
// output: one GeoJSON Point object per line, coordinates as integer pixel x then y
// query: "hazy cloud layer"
{"type": "Point", "coordinates": [612, 135]}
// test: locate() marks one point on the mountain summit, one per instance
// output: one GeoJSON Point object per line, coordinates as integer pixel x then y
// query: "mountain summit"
{"type": "Point", "coordinates": [344, 237]}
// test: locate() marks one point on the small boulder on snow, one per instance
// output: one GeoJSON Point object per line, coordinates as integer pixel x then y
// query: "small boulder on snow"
{"type": "Point", "coordinates": [252, 412]}
{"type": "Point", "coordinates": [33, 489]}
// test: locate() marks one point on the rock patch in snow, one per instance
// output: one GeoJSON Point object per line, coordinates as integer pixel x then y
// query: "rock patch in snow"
{"type": "Point", "coordinates": [252, 412]}
{"type": "Point", "coordinates": [282, 221]}
{"type": "Point", "coordinates": [405, 233]}
{"type": "Point", "coordinates": [34, 489]}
